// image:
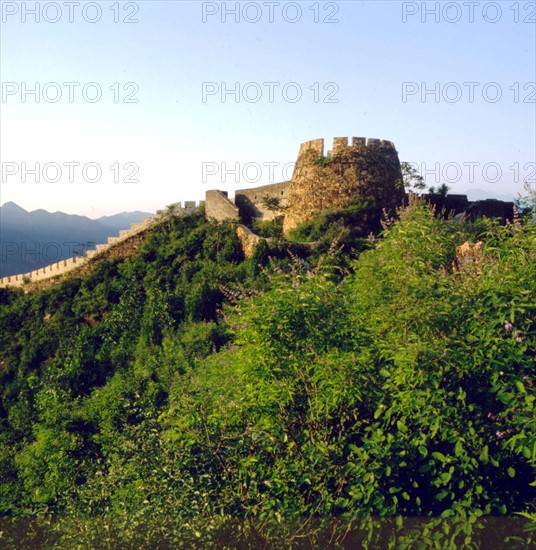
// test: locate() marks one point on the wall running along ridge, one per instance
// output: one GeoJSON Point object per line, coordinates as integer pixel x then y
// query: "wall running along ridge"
{"type": "Point", "coordinates": [367, 168]}
{"type": "Point", "coordinates": [101, 250]}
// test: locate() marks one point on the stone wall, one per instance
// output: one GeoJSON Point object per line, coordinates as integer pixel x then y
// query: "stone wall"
{"type": "Point", "coordinates": [250, 202]}
{"type": "Point", "coordinates": [491, 208]}
{"type": "Point", "coordinates": [218, 206]}
{"type": "Point", "coordinates": [368, 168]}
{"type": "Point", "coordinates": [101, 252]}
{"type": "Point", "coordinates": [248, 239]}
{"type": "Point", "coordinates": [455, 202]}
{"type": "Point", "coordinates": [315, 145]}
{"type": "Point", "coordinates": [460, 204]}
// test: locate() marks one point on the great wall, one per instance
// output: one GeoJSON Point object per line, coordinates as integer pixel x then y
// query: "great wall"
{"type": "Point", "coordinates": [362, 167]}
{"type": "Point", "coordinates": [77, 263]}
{"type": "Point", "coordinates": [367, 168]}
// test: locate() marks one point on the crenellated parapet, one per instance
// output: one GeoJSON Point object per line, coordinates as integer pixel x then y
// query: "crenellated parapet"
{"type": "Point", "coordinates": [177, 209]}
{"type": "Point", "coordinates": [47, 272]}
{"type": "Point", "coordinates": [315, 145]}
{"type": "Point", "coordinates": [344, 146]}
{"type": "Point", "coordinates": [101, 250]}
{"type": "Point", "coordinates": [353, 167]}
{"type": "Point", "coordinates": [341, 145]}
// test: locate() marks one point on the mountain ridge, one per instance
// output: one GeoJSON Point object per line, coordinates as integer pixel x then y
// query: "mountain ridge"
{"type": "Point", "coordinates": [33, 239]}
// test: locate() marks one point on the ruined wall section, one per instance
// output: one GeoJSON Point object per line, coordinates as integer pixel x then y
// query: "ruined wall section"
{"type": "Point", "coordinates": [219, 207]}
{"type": "Point", "coordinates": [491, 208]}
{"type": "Point", "coordinates": [120, 246]}
{"type": "Point", "coordinates": [251, 205]}
{"type": "Point", "coordinates": [367, 168]}
{"type": "Point", "coordinates": [248, 240]}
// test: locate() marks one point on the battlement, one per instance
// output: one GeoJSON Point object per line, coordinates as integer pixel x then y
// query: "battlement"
{"type": "Point", "coordinates": [358, 166]}
{"type": "Point", "coordinates": [316, 145]}
{"type": "Point", "coordinates": [344, 145]}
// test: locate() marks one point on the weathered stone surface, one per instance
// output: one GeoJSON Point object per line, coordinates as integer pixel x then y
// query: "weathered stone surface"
{"type": "Point", "coordinates": [218, 206]}
{"type": "Point", "coordinates": [367, 168]}
{"type": "Point", "coordinates": [248, 239]}
{"type": "Point", "coordinates": [491, 208]}
{"type": "Point", "coordinates": [251, 202]}
{"type": "Point", "coordinates": [468, 255]}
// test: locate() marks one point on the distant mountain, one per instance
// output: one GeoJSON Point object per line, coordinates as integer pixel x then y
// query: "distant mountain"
{"type": "Point", "coordinates": [124, 220]}
{"type": "Point", "coordinates": [30, 240]}
{"type": "Point", "coordinates": [481, 195]}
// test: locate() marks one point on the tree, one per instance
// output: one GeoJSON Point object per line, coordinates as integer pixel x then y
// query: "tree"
{"type": "Point", "coordinates": [526, 204]}
{"type": "Point", "coordinates": [172, 210]}
{"type": "Point", "coordinates": [273, 204]}
{"type": "Point", "coordinates": [411, 178]}
{"type": "Point", "coordinates": [442, 190]}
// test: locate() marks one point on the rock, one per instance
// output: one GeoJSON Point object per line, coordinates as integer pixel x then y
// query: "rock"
{"type": "Point", "coordinates": [467, 255]}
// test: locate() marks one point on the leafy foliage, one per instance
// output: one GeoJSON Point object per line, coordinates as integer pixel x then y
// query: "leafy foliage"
{"type": "Point", "coordinates": [350, 226]}
{"type": "Point", "coordinates": [187, 394]}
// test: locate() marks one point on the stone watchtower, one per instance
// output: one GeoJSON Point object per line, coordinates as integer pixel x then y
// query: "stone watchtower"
{"type": "Point", "coordinates": [368, 168]}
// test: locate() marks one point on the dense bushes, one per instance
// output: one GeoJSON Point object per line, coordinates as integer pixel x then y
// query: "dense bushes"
{"type": "Point", "coordinates": [405, 388]}
{"type": "Point", "coordinates": [353, 223]}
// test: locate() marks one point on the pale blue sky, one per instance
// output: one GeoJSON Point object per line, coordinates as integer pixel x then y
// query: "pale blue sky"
{"type": "Point", "coordinates": [170, 133]}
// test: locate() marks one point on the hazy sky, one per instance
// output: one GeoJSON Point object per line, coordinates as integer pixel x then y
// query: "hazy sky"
{"type": "Point", "coordinates": [140, 104]}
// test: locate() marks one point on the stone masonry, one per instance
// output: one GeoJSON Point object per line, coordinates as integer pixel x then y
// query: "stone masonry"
{"type": "Point", "coordinates": [252, 202]}
{"type": "Point", "coordinates": [367, 168]}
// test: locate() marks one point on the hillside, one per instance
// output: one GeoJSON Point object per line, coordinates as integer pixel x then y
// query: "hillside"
{"type": "Point", "coordinates": [187, 396]}
{"type": "Point", "coordinates": [31, 240]}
